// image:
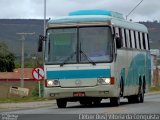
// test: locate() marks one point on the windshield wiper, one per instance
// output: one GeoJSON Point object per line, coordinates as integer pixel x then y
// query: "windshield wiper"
{"type": "Point", "coordinates": [67, 59]}
{"type": "Point", "coordinates": [89, 60]}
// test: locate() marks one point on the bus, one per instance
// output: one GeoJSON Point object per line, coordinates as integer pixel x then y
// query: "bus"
{"type": "Point", "coordinates": [91, 55]}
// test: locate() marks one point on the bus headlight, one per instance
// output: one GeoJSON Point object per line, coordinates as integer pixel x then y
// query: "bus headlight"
{"type": "Point", "coordinates": [107, 80]}
{"type": "Point", "coordinates": [104, 81]}
{"type": "Point", "coordinates": [51, 83]}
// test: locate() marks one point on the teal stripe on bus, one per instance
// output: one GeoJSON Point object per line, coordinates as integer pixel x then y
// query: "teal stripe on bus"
{"type": "Point", "coordinates": [73, 74]}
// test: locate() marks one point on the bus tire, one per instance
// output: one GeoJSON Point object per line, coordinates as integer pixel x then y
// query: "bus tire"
{"type": "Point", "coordinates": [61, 103]}
{"type": "Point", "coordinates": [85, 102]}
{"type": "Point", "coordinates": [144, 85]}
{"type": "Point", "coordinates": [121, 87]}
{"type": "Point", "coordinates": [142, 94]}
{"type": "Point", "coordinates": [115, 101]}
{"type": "Point", "coordinates": [140, 97]}
{"type": "Point", "coordinates": [96, 101]}
{"type": "Point", "coordinates": [131, 99]}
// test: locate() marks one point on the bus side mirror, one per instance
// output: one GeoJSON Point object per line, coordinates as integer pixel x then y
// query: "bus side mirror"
{"type": "Point", "coordinates": [118, 42]}
{"type": "Point", "coordinates": [40, 43]}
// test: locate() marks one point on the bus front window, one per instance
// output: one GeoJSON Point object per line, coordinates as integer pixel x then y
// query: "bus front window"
{"type": "Point", "coordinates": [78, 45]}
{"type": "Point", "coordinates": [96, 43]}
{"type": "Point", "coordinates": [61, 46]}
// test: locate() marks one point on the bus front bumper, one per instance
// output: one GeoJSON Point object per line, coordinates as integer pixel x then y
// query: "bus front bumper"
{"type": "Point", "coordinates": [103, 91]}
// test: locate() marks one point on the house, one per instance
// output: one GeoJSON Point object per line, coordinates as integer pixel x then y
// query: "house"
{"type": "Point", "coordinates": [10, 79]}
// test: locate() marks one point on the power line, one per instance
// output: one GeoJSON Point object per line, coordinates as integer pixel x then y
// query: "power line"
{"type": "Point", "coordinates": [134, 9]}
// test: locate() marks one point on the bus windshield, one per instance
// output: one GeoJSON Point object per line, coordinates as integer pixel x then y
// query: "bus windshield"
{"type": "Point", "coordinates": [78, 45]}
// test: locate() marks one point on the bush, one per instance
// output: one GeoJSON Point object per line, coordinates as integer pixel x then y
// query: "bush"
{"type": "Point", "coordinates": [155, 88]}
{"type": "Point", "coordinates": [35, 92]}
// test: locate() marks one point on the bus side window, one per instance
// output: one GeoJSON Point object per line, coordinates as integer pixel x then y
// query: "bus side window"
{"type": "Point", "coordinates": [132, 39]}
{"type": "Point", "coordinates": [123, 37]}
{"type": "Point", "coordinates": [146, 41]}
{"type": "Point", "coordinates": [127, 38]}
{"type": "Point", "coordinates": [117, 31]}
{"type": "Point", "coordinates": [135, 40]}
{"type": "Point", "coordinates": [143, 40]}
{"type": "Point", "coordinates": [118, 37]}
{"type": "Point", "coordinates": [139, 39]}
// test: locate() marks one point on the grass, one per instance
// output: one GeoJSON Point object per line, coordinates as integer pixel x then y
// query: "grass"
{"type": "Point", "coordinates": [21, 99]}
{"type": "Point", "coordinates": [155, 88]}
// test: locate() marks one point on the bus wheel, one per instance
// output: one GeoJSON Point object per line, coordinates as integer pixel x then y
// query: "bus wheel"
{"type": "Point", "coordinates": [115, 101]}
{"type": "Point", "coordinates": [131, 99]}
{"type": "Point", "coordinates": [140, 97]}
{"type": "Point", "coordinates": [97, 101]}
{"type": "Point", "coordinates": [121, 87]}
{"type": "Point", "coordinates": [61, 103]}
{"type": "Point", "coordinates": [85, 102]}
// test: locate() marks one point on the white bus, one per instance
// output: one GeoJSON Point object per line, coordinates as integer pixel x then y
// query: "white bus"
{"type": "Point", "coordinates": [92, 55]}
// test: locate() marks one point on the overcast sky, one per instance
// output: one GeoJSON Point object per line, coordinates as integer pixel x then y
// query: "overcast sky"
{"type": "Point", "coordinates": [33, 9]}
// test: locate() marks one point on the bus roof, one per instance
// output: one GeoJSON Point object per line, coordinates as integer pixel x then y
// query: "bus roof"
{"type": "Point", "coordinates": [115, 18]}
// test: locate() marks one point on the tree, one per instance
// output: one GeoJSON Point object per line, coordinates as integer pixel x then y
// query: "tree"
{"type": "Point", "coordinates": [6, 59]}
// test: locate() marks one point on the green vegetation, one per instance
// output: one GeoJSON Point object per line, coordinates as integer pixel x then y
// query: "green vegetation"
{"type": "Point", "coordinates": [6, 59]}
{"type": "Point", "coordinates": [35, 92]}
{"type": "Point", "coordinates": [28, 63]}
{"type": "Point", "coordinates": [21, 99]}
{"type": "Point", "coordinates": [155, 88]}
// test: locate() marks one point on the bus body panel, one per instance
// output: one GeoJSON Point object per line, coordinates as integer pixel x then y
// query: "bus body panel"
{"type": "Point", "coordinates": [131, 68]}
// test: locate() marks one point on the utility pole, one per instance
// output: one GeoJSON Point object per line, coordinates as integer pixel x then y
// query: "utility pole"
{"type": "Point", "coordinates": [133, 9]}
{"type": "Point", "coordinates": [22, 55]}
{"type": "Point", "coordinates": [44, 17]}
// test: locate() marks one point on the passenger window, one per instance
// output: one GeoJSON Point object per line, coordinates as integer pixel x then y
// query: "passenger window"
{"type": "Point", "coordinates": [146, 41]}
{"type": "Point", "coordinates": [127, 38]}
{"type": "Point", "coordinates": [123, 37]}
{"type": "Point", "coordinates": [117, 31]}
{"type": "Point", "coordinates": [137, 40]}
{"type": "Point", "coordinates": [132, 39]}
{"type": "Point", "coordinates": [118, 35]}
{"type": "Point", "coordinates": [141, 40]}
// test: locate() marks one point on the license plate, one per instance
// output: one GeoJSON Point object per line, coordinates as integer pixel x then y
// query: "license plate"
{"type": "Point", "coordinates": [78, 94]}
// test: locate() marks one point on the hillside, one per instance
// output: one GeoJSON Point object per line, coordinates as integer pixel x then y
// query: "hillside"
{"type": "Point", "coordinates": [10, 27]}
{"type": "Point", "coordinates": [154, 33]}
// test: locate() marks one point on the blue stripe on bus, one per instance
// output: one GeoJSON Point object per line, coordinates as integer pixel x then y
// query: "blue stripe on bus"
{"type": "Point", "coordinates": [73, 74]}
